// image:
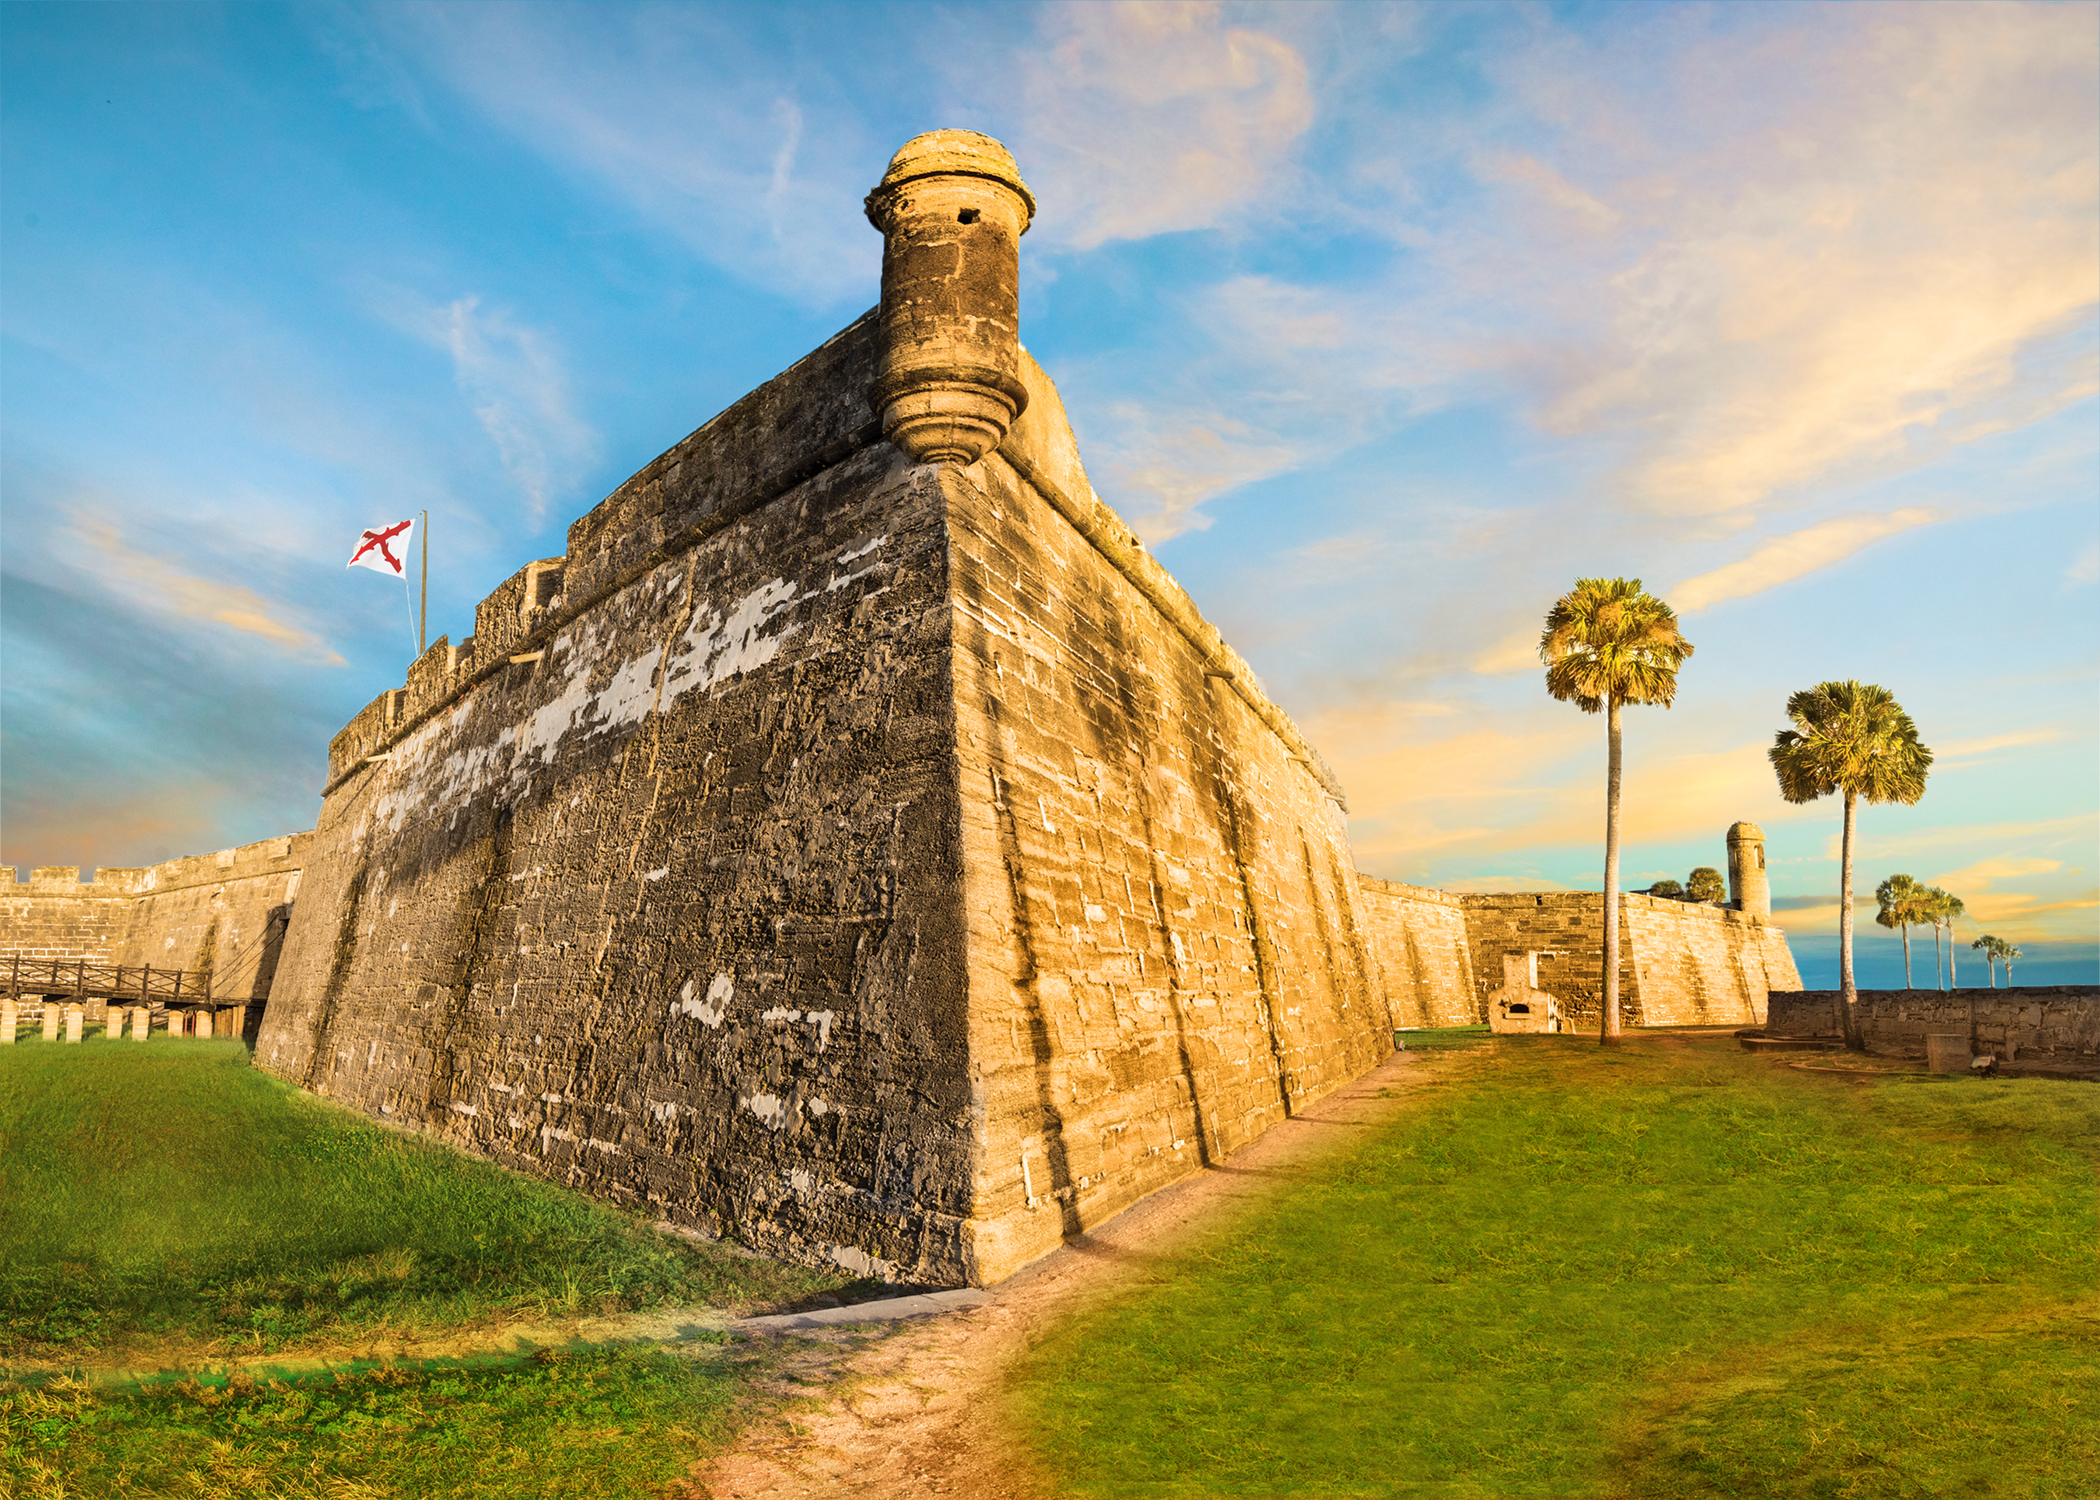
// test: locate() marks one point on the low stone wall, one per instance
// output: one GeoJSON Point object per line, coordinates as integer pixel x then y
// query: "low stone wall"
{"type": "Point", "coordinates": [2059, 1020]}
{"type": "Point", "coordinates": [1418, 936]}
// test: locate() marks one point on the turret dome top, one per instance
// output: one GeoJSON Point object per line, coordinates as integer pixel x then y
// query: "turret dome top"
{"type": "Point", "coordinates": [951, 153]}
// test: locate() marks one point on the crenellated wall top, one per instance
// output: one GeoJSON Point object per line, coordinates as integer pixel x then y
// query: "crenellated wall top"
{"type": "Point", "coordinates": [276, 856]}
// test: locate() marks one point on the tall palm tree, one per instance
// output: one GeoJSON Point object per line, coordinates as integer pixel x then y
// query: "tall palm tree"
{"type": "Point", "coordinates": [1899, 897]}
{"type": "Point", "coordinates": [1852, 738]}
{"type": "Point", "coordinates": [1945, 909]}
{"type": "Point", "coordinates": [1605, 645]}
{"type": "Point", "coordinates": [2008, 952]}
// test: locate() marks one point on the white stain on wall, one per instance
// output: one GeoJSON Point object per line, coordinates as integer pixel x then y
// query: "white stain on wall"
{"type": "Point", "coordinates": [770, 1108]}
{"type": "Point", "coordinates": [709, 1010]}
{"type": "Point", "coordinates": [423, 774]}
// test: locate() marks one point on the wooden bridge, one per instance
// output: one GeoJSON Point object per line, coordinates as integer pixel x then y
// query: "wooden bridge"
{"type": "Point", "coordinates": [84, 979]}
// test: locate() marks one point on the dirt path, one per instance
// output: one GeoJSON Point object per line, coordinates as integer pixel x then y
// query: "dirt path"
{"type": "Point", "coordinates": [912, 1414]}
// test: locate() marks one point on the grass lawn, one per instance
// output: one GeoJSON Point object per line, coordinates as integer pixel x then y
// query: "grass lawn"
{"type": "Point", "coordinates": [1668, 1269]}
{"type": "Point", "coordinates": [168, 1205]}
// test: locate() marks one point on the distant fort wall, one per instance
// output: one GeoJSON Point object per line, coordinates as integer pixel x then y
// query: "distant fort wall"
{"type": "Point", "coordinates": [1424, 954]}
{"type": "Point", "coordinates": [1680, 963]}
{"type": "Point", "coordinates": [226, 912]}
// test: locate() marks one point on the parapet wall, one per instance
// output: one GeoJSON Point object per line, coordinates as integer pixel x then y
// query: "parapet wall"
{"type": "Point", "coordinates": [1423, 954]}
{"type": "Point", "coordinates": [2035, 1020]}
{"type": "Point", "coordinates": [226, 912]}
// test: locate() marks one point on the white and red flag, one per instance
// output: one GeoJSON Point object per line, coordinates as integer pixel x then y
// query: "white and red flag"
{"type": "Point", "coordinates": [385, 550]}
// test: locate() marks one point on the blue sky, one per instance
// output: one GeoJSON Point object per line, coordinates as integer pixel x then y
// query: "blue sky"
{"type": "Point", "coordinates": [1383, 324]}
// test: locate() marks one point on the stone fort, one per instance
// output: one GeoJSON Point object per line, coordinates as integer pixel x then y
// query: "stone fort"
{"type": "Point", "coordinates": [856, 841]}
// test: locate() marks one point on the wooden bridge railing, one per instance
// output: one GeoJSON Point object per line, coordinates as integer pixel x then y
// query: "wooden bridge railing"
{"type": "Point", "coordinates": [80, 978]}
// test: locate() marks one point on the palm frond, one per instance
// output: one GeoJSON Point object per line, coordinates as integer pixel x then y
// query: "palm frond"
{"type": "Point", "coordinates": [1607, 640]}
{"type": "Point", "coordinates": [1852, 737]}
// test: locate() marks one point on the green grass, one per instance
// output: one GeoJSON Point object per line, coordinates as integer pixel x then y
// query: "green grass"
{"type": "Point", "coordinates": [1667, 1269]}
{"type": "Point", "coordinates": [171, 1197]}
{"type": "Point", "coordinates": [592, 1426]}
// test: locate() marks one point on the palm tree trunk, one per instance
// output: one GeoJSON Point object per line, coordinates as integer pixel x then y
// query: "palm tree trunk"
{"type": "Point", "coordinates": [1848, 992]}
{"type": "Point", "coordinates": [1609, 1036]}
{"type": "Point", "coordinates": [1939, 970]}
{"type": "Point", "coordinates": [1906, 955]}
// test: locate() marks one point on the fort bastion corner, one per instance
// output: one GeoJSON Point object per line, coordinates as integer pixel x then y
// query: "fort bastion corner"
{"type": "Point", "coordinates": [855, 841]}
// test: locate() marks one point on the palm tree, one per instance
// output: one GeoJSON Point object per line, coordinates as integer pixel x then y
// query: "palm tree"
{"type": "Point", "coordinates": [1946, 909]}
{"type": "Point", "coordinates": [2008, 952]}
{"type": "Point", "coordinates": [1899, 897]}
{"type": "Point", "coordinates": [1668, 888]}
{"type": "Point", "coordinates": [1988, 945]}
{"type": "Point", "coordinates": [1940, 909]}
{"type": "Point", "coordinates": [1605, 645]}
{"type": "Point", "coordinates": [1855, 739]}
{"type": "Point", "coordinates": [1705, 884]}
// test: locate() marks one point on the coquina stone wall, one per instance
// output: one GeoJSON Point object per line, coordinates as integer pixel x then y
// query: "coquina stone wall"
{"type": "Point", "coordinates": [227, 912]}
{"type": "Point", "coordinates": [1702, 965]}
{"type": "Point", "coordinates": [1423, 953]}
{"type": "Point", "coordinates": [840, 851]}
{"type": "Point", "coordinates": [2028, 1021]}
{"type": "Point", "coordinates": [1167, 942]}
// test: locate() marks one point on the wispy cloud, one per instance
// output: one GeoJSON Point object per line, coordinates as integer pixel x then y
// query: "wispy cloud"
{"type": "Point", "coordinates": [135, 824]}
{"type": "Point", "coordinates": [1161, 470]}
{"type": "Point", "coordinates": [512, 378]}
{"type": "Point", "coordinates": [1514, 653]}
{"type": "Point", "coordinates": [1963, 749]}
{"type": "Point", "coordinates": [1150, 118]}
{"type": "Point", "coordinates": [1861, 253]}
{"type": "Point", "coordinates": [1876, 279]}
{"type": "Point", "coordinates": [237, 608]}
{"type": "Point", "coordinates": [676, 113]}
{"type": "Point", "coordinates": [2034, 908]}
{"type": "Point", "coordinates": [1786, 558]}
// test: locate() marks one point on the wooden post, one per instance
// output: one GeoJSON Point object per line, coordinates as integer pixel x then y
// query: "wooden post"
{"type": "Point", "coordinates": [14, 985]}
{"type": "Point", "coordinates": [80, 981]}
{"type": "Point", "coordinates": [145, 984]}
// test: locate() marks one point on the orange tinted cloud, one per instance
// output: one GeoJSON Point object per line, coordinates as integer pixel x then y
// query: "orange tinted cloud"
{"type": "Point", "coordinates": [225, 604]}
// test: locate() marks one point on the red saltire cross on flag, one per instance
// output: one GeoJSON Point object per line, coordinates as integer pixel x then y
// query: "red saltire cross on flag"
{"type": "Point", "coordinates": [384, 550]}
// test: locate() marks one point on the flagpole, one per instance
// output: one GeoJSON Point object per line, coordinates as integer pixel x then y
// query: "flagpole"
{"type": "Point", "coordinates": [423, 619]}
